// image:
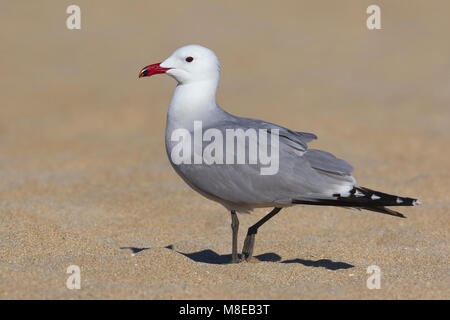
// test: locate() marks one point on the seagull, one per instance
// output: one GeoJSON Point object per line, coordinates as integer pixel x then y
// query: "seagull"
{"type": "Point", "coordinates": [304, 176]}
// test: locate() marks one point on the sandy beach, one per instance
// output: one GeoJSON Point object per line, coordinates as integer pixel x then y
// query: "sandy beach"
{"type": "Point", "coordinates": [85, 180]}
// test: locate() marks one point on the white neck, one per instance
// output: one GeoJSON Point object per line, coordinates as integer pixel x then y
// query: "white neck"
{"type": "Point", "coordinates": [192, 101]}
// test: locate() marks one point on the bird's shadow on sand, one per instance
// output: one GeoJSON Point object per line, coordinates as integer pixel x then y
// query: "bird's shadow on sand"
{"type": "Point", "coordinates": [211, 257]}
{"type": "Point", "coordinates": [325, 263]}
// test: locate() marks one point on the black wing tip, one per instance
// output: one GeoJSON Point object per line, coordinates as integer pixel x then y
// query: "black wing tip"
{"type": "Point", "coordinates": [399, 215]}
{"type": "Point", "coordinates": [365, 198]}
{"type": "Point", "coordinates": [386, 211]}
{"type": "Point", "coordinates": [385, 199]}
{"type": "Point", "coordinates": [337, 203]}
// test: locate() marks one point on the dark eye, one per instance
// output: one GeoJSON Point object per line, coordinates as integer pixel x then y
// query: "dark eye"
{"type": "Point", "coordinates": [189, 59]}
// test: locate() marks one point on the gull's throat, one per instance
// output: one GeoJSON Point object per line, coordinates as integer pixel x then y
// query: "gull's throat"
{"type": "Point", "coordinates": [192, 101]}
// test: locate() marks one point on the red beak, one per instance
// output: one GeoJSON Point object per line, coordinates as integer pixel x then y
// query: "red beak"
{"type": "Point", "coordinates": [152, 69]}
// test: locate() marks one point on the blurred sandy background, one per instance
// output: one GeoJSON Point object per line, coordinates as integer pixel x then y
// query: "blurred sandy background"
{"type": "Point", "coordinates": [84, 177]}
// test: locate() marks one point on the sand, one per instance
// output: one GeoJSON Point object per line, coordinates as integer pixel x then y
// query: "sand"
{"type": "Point", "coordinates": [84, 177]}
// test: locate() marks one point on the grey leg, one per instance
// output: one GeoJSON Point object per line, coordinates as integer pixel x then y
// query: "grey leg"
{"type": "Point", "coordinates": [249, 243]}
{"type": "Point", "coordinates": [235, 229]}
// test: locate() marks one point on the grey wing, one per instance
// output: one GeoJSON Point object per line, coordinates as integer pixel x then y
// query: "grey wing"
{"type": "Point", "coordinates": [299, 139]}
{"type": "Point", "coordinates": [318, 159]}
{"type": "Point", "coordinates": [325, 161]}
{"type": "Point", "coordinates": [303, 173]}
{"type": "Point", "coordinates": [295, 139]}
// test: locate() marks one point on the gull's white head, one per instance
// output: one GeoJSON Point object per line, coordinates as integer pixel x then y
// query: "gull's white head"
{"type": "Point", "coordinates": [188, 64]}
